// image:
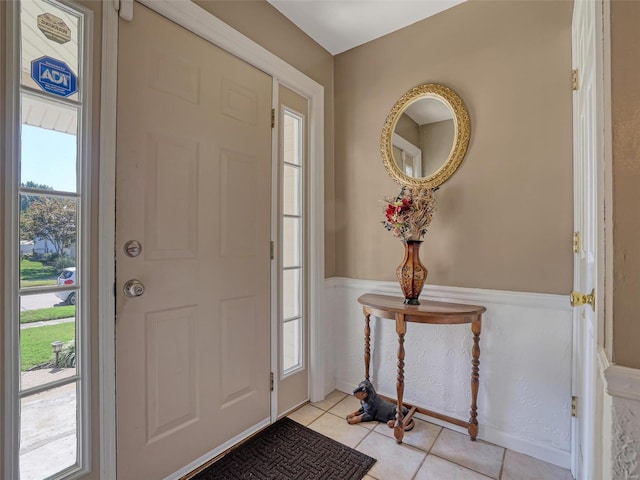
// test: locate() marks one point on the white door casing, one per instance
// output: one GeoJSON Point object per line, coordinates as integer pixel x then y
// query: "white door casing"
{"type": "Point", "coordinates": [410, 154]}
{"type": "Point", "coordinates": [589, 154]}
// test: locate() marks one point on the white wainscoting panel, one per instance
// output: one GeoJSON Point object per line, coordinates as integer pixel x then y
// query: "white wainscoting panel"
{"type": "Point", "coordinates": [524, 402]}
{"type": "Point", "coordinates": [623, 384]}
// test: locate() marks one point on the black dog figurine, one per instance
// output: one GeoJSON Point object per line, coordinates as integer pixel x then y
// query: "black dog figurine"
{"type": "Point", "coordinates": [374, 408]}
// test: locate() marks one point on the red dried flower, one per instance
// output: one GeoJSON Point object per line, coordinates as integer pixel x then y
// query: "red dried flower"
{"type": "Point", "coordinates": [409, 214]}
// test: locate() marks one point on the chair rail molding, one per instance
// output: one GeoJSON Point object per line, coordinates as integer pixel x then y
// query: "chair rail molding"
{"type": "Point", "coordinates": [623, 382]}
{"type": "Point", "coordinates": [436, 292]}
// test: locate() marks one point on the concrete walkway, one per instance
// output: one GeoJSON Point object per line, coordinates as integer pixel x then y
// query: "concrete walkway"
{"type": "Point", "coordinates": [48, 425]}
{"type": "Point", "coordinates": [48, 322]}
{"type": "Point", "coordinates": [48, 419]}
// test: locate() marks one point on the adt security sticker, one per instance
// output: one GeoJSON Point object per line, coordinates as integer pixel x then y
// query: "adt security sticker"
{"type": "Point", "coordinates": [54, 76]}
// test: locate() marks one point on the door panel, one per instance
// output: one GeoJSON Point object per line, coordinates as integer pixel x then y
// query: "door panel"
{"type": "Point", "coordinates": [171, 360]}
{"type": "Point", "coordinates": [171, 223]}
{"type": "Point", "coordinates": [193, 187]}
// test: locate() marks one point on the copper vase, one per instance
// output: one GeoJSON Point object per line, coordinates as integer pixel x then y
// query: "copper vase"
{"type": "Point", "coordinates": [411, 272]}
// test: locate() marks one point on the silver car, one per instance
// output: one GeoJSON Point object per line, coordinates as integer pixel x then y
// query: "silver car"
{"type": "Point", "coordinates": [67, 277]}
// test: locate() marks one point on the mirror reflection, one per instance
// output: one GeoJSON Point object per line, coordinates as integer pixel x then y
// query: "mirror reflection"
{"type": "Point", "coordinates": [423, 137]}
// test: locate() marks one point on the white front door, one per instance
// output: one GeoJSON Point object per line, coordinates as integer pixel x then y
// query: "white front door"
{"type": "Point", "coordinates": [194, 189]}
{"type": "Point", "coordinates": [588, 221]}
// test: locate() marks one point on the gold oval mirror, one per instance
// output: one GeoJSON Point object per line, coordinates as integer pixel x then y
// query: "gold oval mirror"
{"type": "Point", "coordinates": [425, 136]}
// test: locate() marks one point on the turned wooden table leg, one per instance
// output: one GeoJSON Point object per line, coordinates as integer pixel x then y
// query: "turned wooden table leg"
{"type": "Point", "coordinates": [476, 326]}
{"type": "Point", "coordinates": [367, 344]}
{"type": "Point", "coordinates": [401, 329]}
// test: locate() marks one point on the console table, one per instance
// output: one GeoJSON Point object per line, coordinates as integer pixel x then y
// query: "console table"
{"type": "Point", "coordinates": [393, 308]}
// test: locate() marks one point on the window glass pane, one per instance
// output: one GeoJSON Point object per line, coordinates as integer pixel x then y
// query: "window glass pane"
{"type": "Point", "coordinates": [48, 432]}
{"type": "Point", "coordinates": [48, 240]}
{"type": "Point", "coordinates": [291, 342]}
{"type": "Point", "coordinates": [50, 37]}
{"type": "Point", "coordinates": [47, 338]}
{"type": "Point", "coordinates": [291, 293]}
{"type": "Point", "coordinates": [292, 126]}
{"type": "Point", "coordinates": [291, 242]}
{"type": "Point", "coordinates": [291, 191]}
{"type": "Point", "coordinates": [48, 146]}
{"type": "Point", "coordinates": [408, 164]}
{"type": "Point", "coordinates": [50, 53]}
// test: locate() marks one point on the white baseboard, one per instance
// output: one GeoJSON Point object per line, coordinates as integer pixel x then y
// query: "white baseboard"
{"type": "Point", "coordinates": [546, 453]}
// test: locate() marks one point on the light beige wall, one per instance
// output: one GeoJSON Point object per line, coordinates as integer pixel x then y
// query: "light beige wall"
{"type": "Point", "coordinates": [505, 218]}
{"type": "Point", "coordinates": [436, 140]}
{"type": "Point", "coordinates": [262, 23]}
{"type": "Point", "coordinates": [408, 129]}
{"type": "Point", "coordinates": [625, 78]}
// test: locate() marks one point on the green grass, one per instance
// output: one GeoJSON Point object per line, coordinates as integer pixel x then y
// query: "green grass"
{"type": "Point", "coordinates": [35, 274]}
{"type": "Point", "coordinates": [44, 314]}
{"type": "Point", "coordinates": [36, 342]}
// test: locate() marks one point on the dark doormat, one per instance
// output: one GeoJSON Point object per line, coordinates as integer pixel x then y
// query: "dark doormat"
{"type": "Point", "coordinates": [287, 450]}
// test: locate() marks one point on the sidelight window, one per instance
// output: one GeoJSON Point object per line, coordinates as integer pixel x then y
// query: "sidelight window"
{"type": "Point", "coordinates": [292, 225]}
{"type": "Point", "coordinates": [46, 238]}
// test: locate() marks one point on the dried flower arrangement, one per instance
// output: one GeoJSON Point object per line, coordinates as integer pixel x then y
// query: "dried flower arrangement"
{"type": "Point", "coordinates": [409, 214]}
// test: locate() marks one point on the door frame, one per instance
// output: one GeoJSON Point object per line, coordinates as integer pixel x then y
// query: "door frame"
{"type": "Point", "coordinates": [602, 194]}
{"type": "Point", "coordinates": [194, 18]}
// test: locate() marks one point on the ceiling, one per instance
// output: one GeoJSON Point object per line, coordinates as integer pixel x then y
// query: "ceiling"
{"type": "Point", "coordinates": [339, 25]}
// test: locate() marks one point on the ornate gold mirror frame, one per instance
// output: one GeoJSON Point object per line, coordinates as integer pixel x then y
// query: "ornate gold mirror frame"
{"type": "Point", "coordinates": [462, 132]}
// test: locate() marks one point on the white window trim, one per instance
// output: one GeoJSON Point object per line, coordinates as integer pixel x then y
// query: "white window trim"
{"type": "Point", "coordinates": [415, 152]}
{"type": "Point", "coordinates": [199, 21]}
{"type": "Point", "coordinates": [11, 265]}
{"type": "Point", "coordinates": [12, 150]}
{"type": "Point", "coordinates": [304, 324]}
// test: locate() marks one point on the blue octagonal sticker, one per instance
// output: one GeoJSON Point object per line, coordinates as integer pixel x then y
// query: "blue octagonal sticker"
{"type": "Point", "coordinates": [54, 76]}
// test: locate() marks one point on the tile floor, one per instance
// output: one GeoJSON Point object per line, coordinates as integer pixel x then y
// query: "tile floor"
{"type": "Point", "coordinates": [428, 452]}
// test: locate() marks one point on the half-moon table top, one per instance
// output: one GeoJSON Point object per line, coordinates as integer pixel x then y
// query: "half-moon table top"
{"type": "Point", "coordinates": [386, 306]}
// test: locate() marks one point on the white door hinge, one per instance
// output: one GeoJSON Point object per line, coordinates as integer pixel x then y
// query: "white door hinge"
{"type": "Point", "coordinates": [574, 406]}
{"type": "Point", "coordinates": [574, 79]}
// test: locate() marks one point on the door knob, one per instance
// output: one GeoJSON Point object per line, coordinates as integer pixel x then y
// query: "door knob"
{"type": "Point", "coordinates": [578, 299]}
{"type": "Point", "coordinates": [133, 288]}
